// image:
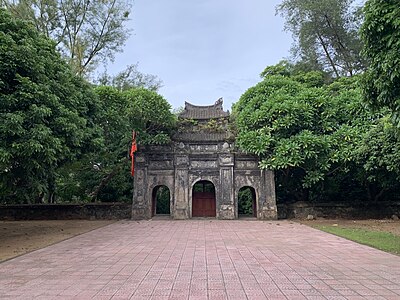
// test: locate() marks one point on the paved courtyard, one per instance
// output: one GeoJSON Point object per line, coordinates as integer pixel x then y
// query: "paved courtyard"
{"type": "Point", "coordinates": [203, 259]}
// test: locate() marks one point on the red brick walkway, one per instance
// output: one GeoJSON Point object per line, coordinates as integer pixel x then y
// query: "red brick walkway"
{"type": "Point", "coordinates": [203, 259]}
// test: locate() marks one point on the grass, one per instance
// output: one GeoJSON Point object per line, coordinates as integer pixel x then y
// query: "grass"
{"type": "Point", "coordinates": [385, 241]}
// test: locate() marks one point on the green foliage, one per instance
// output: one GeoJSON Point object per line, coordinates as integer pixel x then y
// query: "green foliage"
{"type": "Point", "coordinates": [47, 114]}
{"type": "Point", "coordinates": [283, 68]}
{"type": "Point", "coordinates": [306, 132]}
{"type": "Point", "coordinates": [326, 34]}
{"type": "Point", "coordinates": [379, 154]}
{"type": "Point", "coordinates": [385, 241]}
{"type": "Point", "coordinates": [150, 115]}
{"type": "Point", "coordinates": [163, 201]}
{"type": "Point", "coordinates": [104, 175]}
{"type": "Point", "coordinates": [381, 36]}
{"type": "Point", "coordinates": [297, 72]}
{"type": "Point", "coordinates": [130, 78]}
{"type": "Point", "coordinates": [381, 150]}
{"type": "Point", "coordinates": [86, 32]}
{"type": "Point", "coordinates": [187, 124]}
{"type": "Point", "coordinates": [145, 111]}
{"type": "Point", "coordinates": [214, 125]}
{"type": "Point", "coordinates": [245, 201]}
{"type": "Point", "coordinates": [59, 132]}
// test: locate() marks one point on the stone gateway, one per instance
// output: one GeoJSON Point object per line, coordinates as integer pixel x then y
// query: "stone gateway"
{"type": "Point", "coordinates": [201, 172]}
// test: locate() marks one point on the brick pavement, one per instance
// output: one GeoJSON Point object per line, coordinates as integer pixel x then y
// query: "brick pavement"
{"type": "Point", "coordinates": [203, 259]}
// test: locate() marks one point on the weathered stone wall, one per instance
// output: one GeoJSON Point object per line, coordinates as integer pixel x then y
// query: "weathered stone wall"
{"type": "Point", "coordinates": [248, 174]}
{"type": "Point", "coordinates": [180, 166]}
{"type": "Point", "coordinates": [92, 211]}
{"type": "Point", "coordinates": [118, 211]}
{"type": "Point", "coordinates": [300, 210]}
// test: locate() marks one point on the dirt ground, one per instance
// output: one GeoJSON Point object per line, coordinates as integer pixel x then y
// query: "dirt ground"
{"type": "Point", "coordinates": [386, 225]}
{"type": "Point", "coordinates": [19, 237]}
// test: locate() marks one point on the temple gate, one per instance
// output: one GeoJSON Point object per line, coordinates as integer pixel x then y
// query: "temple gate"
{"type": "Point", "coordinates": [202, 170]}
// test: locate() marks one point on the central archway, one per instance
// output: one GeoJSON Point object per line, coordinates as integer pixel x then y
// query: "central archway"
{"type": "Point", "coordinates": [203, 199]}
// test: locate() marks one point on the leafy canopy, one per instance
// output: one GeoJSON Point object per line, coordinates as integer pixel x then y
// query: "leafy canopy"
{"type": "Point", "coordinates": [47, 114]}
{"type": "Point", "coordinates": [86, 32]}
{"type": "Point", "coordinates": [104, 174]}
{"type": "Point", "coordinates": [298, 123]}
{"type": "Point", "coordinates": [130, 78]}
{"type": "Point", "coordinates": [381, 35]}
{"type": "Point", "coordinates": [326, 34]}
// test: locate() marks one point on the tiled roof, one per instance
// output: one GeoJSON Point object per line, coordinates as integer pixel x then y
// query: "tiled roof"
{"type": "Point", "coordinates": [202, 137]}
{"type": "Point", "coordinates": [204, 112]}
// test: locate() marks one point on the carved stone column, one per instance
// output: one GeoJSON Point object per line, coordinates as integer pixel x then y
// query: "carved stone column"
{"type": "Point", "coordinates": [182, 209]}
{"type": "Point", "coordinates": [226, 205]}
{"type": "Point", "coordinates": [268, 200]}
{"type": "Point", "coordinates": [141, 203]}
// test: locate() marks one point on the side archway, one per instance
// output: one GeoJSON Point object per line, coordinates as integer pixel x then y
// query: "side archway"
{"type": "Point", "coordinates": [161, 201]}
{"type": "Point", "coordinates": [247, 202]}
{"type": "Point", "coordinates": [203, 199]}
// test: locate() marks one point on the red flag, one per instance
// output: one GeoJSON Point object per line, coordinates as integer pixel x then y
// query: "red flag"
{"type": "Point", "coordinates": [132, 153]}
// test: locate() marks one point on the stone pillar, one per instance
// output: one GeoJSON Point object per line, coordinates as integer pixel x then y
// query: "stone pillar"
{"type": "Point", "coordinates": [181, 209]}
{"type": "Point", "coordinates": [226, 203]}
{"type": "Point", "coordinates": [268, 200]}
{"type": "Point", "coordinates": [141, 204]}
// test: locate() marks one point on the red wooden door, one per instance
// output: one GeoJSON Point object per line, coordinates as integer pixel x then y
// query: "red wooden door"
{"type": "Point", "coordinates": [203, 204]}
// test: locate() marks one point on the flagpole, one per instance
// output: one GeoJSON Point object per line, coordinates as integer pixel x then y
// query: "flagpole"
{"type": "Point", "coordinates": [132, 153]}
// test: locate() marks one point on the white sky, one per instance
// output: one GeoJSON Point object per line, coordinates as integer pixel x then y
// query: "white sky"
{"type": "Point", "coordinates": [204, 49]}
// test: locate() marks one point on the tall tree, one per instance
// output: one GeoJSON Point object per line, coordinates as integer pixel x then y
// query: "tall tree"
{"type": "Point", "coordinates": [302, 128]}
{"type": "Point", "coordinates": [130, 78]}
{"type": "Point", "coordinates": [381, 36]}
{"type": "Point", "coordinates": [143, 110]}
{"type": "Point", "coordinates": [379, 155]}
{"type": "Point", "coordinates": [86, 32]}
{"type": "Point", "coordinates": [47, 114]}
{"type": "Point", "coordinates": [326, 34]}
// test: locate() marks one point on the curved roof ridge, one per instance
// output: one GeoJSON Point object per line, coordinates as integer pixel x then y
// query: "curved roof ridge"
{"type": "Point", "coordinates": [204, 112]}
{"type": "Point", "coordinates": [219, 102]}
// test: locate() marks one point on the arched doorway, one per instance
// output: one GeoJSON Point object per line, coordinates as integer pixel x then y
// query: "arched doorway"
{"type": "Point", "coordinates": [203, 199]}
{"type": "Point", "coordinates": [161, 201]}
{"type": "Point", "coordinates": [247, 206]}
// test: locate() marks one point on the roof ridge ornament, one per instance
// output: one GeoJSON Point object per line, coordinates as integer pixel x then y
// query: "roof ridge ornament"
{"type": "Point", "coordinates": [217, 103]}
{"type": "Point", "coordinates": [197, 112]}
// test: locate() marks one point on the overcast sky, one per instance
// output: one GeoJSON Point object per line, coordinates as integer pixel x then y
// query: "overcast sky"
{"type": "Point", "coordinates": [204, 49]}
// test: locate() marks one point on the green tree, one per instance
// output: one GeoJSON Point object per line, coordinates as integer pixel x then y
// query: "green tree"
{"type": "Point", "coordinates": [47, 114]}
{"type": "Point", "coordinates": [326, 34]}
{"type": "Point", "coordinates": [86, 32]}
{"type": "Point", "coordinates": [379, 154]}
{"type": "Point", "coordinates": [381, 35]}
{"type": "Point", "coordinates": [305, 130]}
{"type": "Point", "coordinates": [130, 78]}
{"type": "Point", "coordinates": [104, 175]}
{"type": "Point", "coordinates": [163, 200]}
{"type": "Point", "coordinates": [245, 201]}
{"type": "Point", "coordinates": [150, 115]}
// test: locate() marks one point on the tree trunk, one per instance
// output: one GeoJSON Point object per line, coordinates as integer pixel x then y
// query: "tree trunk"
{"type": "Point", "coordinates": [369, 192]}
{"type": "Point", "coordinates": [341, 48]}
{"type": "Point", "coordinates": [51, 185]}
{"type": "Point", "coordinates": [305, 194]}
{"type": "Point", "coordinates": [93, 195]}
{"type": "Point", "coordinates": [373, 194]}
{"type": "Point", "coordinates": [328, 56]}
